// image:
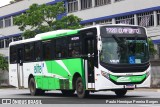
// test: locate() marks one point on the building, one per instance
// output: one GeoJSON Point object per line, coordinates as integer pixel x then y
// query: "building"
{"type": "Point", "coordinates": [137, 12]}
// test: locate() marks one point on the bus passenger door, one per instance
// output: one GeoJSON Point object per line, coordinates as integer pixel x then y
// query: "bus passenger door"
{"type": "Point", "coordinates": [20, 74]}
{"type": "Point", "coordinates": [89, 62]}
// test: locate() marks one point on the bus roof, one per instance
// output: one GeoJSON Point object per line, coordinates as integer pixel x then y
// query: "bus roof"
{"type": "Point", "coordinates": [59, 33]}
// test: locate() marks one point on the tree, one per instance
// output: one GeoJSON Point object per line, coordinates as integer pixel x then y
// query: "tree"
{"type": "Point", "coordinates": [42, 18]}
{"type": "Point", "coordinates": [152, 50]}
{"type": "Point", "coordinates": [3, 63]}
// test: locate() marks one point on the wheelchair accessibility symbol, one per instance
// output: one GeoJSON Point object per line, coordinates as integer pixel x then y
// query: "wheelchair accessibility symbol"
{"type": "Point", "coordinates": [132, 60]}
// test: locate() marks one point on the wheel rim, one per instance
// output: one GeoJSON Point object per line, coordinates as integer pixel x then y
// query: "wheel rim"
{"type": "Point", "coordinates": [32, 86]}
{"type": "Point", "coordinates": [80, 87]}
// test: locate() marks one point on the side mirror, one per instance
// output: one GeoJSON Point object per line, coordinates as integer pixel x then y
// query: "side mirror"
{"type": "Point", "coordinates": [99, 45]}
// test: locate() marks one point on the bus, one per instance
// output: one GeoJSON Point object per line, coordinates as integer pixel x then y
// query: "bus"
{"type": "Point", "coordinates": [97, 58]}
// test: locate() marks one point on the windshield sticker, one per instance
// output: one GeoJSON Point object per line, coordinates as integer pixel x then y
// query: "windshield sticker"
{"type": "Point", "coordinates": [132, 59]}
{"type": "Point", "coordinates": [137, 61]}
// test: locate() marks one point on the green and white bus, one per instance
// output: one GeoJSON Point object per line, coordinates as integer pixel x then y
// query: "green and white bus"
{"type": "Point", "coordinates": [97, 58]}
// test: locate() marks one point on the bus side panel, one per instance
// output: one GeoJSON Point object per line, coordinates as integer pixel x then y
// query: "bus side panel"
{"type": "Point", "coordinates": [63, 71]}
{"type": "Point", "coordinates": [13, 75]}
{"type": "Point", "coordinates": [75, 66]}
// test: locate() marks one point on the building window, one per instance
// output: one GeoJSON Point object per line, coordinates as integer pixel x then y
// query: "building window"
{"type": "Point", "coordinates": [8, 40]}
{"type": "Point", "coordinates": [85, 4]}
{"type": "Point", "coordinates": [1, 23]}
{"type": "Point", "coordinates": [102, 2]}
{"type": "Point", "coordinates": [125, 20]}
{"type": "Point", "coordinates": [117, 0]}
{"type": "Point", "coordinates": [146, 19]}
{"type": "Point", "coordinates": [17, 38]}
{"type": "Point", "coordinates": [158, 17]}
{"type": "Point", "coordinates": [107, 21]}
{"type": "Point", "coordinates": [72, 5]}
{"type": "Point", "coordinates": [87, 24]}
{"type": "Point", "coordinates": [7, 22]}
{"type": "Point", "coordinates": [2, 43]}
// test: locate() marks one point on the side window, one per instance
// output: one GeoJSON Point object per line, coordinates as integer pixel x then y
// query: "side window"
{"type": "Point", "coordinates": [75, 48]}
{"type": "Point", "coordinates": [13, 54]}
{"type": "Point", "coordinates": [28, 52]}
{"type": "Point", "coordinates": [47, 50]}
{"type": "Point", "coordinates": [61, 48]}
{"type": "Point", "coordinates": [38, 51]}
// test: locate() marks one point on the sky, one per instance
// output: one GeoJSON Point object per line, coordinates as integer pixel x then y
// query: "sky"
{"type": "Point", "coordinates": [4, 2]}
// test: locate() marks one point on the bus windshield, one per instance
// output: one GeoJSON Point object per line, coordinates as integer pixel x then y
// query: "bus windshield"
{"type": "Point", "coordinates": [124, 49]}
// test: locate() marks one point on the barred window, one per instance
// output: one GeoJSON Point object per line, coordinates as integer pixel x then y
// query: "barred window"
{"type": "Point", "coordinates": [7, 22]}
{"type": "Point", "coordinates": [86, 4]}
{"type": "Point", "coordinates": [146, 19]}
{"type": "Point", "coordinates": [125, 20]}
{"type": "Point", "coordinates": [117, 0]}
{"type": "Point", "coordinates": [72, 5]}
{"type": "Point", "coordinates": [102, 2]}
{"type": "Point", "coordinates": [2, 43]}
{"type": "Point", "coordinates": [87, 24]}
{"type": "Point", "coordinates": [1, 23]}
{"type": "Point", "coordinates": [158, 17]}
{"type": "Point", "coordinates": [107, 21]}
{"type": "Point", "coordinates": [17, 38]}
{"type": "Point", "coordinates": [8, 40]}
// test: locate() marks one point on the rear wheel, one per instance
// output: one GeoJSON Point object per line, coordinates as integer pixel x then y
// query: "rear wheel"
{"type": "Point", "coordinates": [121, 92]}
{"type": "Point", "coordinates": [33, 90]}
{"type": "Point", "coordinates": [81, 92]}
{"type": "Point", "coordinates": [67, 92]}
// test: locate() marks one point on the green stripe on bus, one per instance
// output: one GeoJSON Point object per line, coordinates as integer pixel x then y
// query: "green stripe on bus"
{"type": "Point", "coordinates": [128, 78]}
{"type": "Point", "coordinates": [59, 35]}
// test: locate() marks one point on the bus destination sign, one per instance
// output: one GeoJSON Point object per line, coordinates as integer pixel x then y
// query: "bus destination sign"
{"type": "Point", "coordinates": [123, 30]}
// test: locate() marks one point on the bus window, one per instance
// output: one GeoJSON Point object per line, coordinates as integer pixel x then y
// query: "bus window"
{"type": "Point", "coordinates": [28, 52]}
{"type": "Point", "coordinates": [61, 48]}
{"type": "Point", "coordinates": [13, 54]}
{"type": "Point", "coordinates": [47, 50]}
{"type": "Point", "coordinates": [38, 51]}
{"type": "Point", "coordinates": [75, 46]}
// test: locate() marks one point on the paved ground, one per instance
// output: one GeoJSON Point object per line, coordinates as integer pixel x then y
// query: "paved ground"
{"type": "Point", "coordinates": [55, 97]}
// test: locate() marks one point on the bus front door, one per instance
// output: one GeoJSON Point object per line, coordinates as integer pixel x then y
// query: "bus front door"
{"type": "Point", "coordinates": [89, 62]}
{"type": "Point", "coordinates": [20, 74]}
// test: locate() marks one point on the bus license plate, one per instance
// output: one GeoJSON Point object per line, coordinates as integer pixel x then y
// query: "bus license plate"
{"type": "Point", "coordinates": [130, 86]}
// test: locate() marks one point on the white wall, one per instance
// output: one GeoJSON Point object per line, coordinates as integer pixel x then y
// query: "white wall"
{"type": "Point", "coordinates": [22, 5]}
{"type": "Point", "coordinates": [116, 8]}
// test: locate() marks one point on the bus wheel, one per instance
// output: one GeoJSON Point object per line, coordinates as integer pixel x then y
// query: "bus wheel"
{"type": "Point", "coordinates": [67, 92]}
{"type": "Point", "coordinates": [81, 92]}
{"type": "Point", "coordinates": [33, 90]}
{"type": "Point", "coordinates": [121, 92]}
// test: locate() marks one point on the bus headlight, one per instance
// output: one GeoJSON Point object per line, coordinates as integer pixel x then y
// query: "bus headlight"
{"type": "Point", "coordinates": [105, 74]}
{"type": "Point", "coordinates": [147, 73]}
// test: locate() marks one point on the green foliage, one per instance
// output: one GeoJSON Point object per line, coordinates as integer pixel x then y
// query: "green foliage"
{"type": "Point", "coordinates": [152, 50]}
{"type": "Point", "coordinates": [3, 63]}
{"type": "Point", "coordinates": [42, 18]}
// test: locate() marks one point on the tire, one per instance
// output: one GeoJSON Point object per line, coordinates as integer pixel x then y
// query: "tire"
{"type": "Point", "coordinates": [121, 92]}
{"type": "Point", "coordinates": [81, 92]}
{"type": "Point", "coordinates": [67, 92]}
{"type": "Point", "coordinates": [33, 90]}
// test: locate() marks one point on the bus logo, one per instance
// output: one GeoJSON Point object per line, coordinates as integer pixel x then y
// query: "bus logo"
{"type": "Point", "coordinates": [37, 68]}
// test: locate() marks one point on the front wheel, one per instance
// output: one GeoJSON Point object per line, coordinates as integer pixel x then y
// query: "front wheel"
{"type": "Point", "coordinates": [33, 90]}
{"type": "Point", "coordinates": [120, 92]}
{"type": "Point", "coordinates": [81, 92]}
